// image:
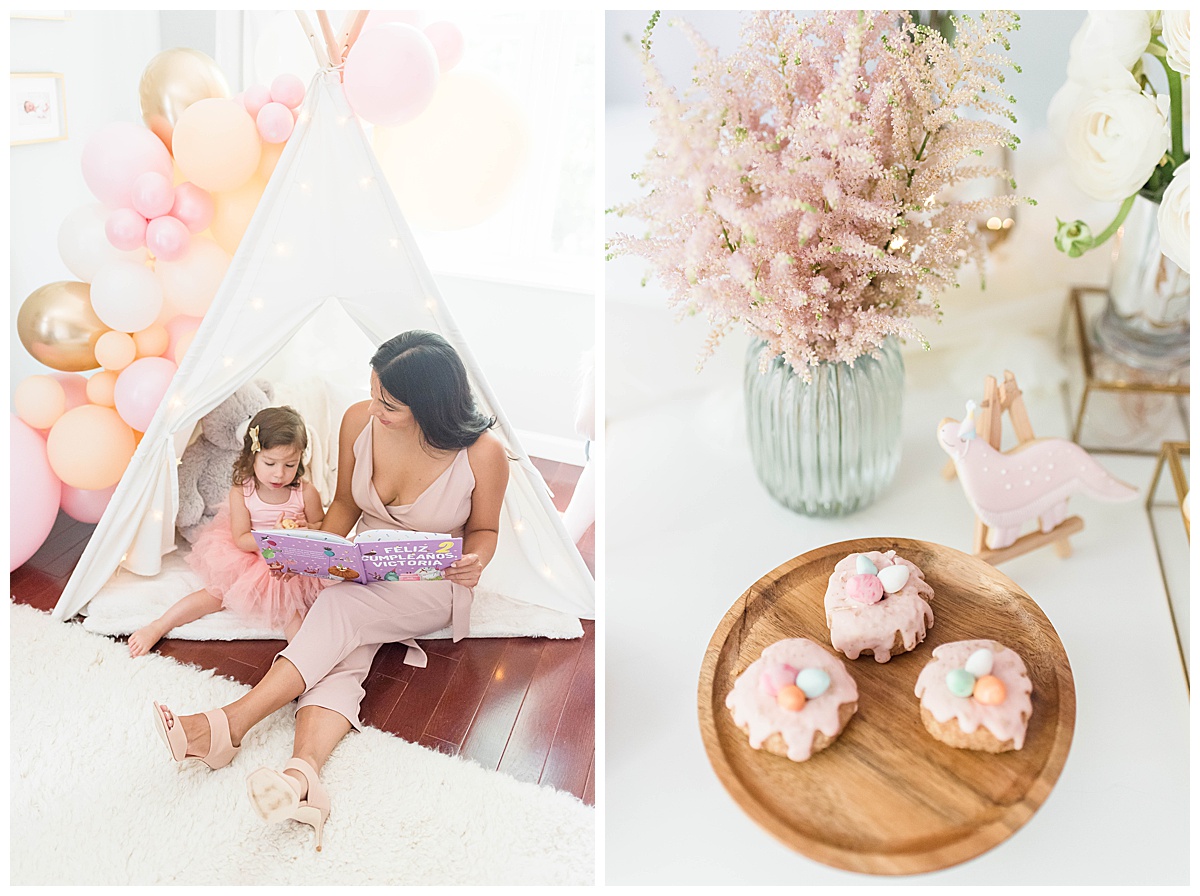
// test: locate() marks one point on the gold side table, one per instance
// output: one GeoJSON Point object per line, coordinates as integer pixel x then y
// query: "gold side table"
{"type": "Point", "coordinates": [1171, 542]}
{"type": "Point", "coordinates": [1136, 388]}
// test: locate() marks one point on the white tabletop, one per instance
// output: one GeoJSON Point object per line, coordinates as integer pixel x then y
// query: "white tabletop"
{"type": "Point", "coordinates": [680, 488]}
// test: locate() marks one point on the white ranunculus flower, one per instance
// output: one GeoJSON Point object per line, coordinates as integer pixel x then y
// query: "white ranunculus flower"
{"type": "Point", "coordinates": [1122, 36]}
{"type": "Point", "coordinates": [1114, 140]}
{"type": "Point", "coordinates": [1174, 218]}
{"type": "Point", "coordinates": [1177, 35]}
{"type": "Point", "coordinates": [1072, 95]}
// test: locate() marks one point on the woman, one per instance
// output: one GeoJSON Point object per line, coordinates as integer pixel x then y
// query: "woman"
{"type": "Point", "coordinates": [417, 456]}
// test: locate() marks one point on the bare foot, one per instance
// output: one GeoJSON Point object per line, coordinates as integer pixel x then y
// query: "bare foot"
{"type": "Point", "coordinates": [143, 639]}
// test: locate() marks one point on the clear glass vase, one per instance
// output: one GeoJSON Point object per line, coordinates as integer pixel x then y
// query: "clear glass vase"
{"type": "Point", "coordinates": [1146, 322]}
{"type": "Point", "coordinates": [830, 446]}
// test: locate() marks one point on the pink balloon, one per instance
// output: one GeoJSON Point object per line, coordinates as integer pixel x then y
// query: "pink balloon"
{"type": "Point", "coordinates": [275, 122]}
{"type": "Point", "coordinates": [447, 42]}
{"type": "Point", "coordinates": [193, 206]}
{"type": "Point", "coordinates": [177, 328]}
{"type": "Point", "coordinates": [167, 238]}
{"type": "Point", "coordinates": [152, 195]}
{"type": "Point", "coordinates": [287, 89]}
{"type": "Point", "coordinates": [390, 74]}
{"type": "Point", "coordinates": [86, 505]}
{"type": "Point", "coordinates": [125, 229]}
{"type": "Point", "coordinates": [140, 389]}
{"type": "Point", "coordinates": [255, 98]}
{"type": "Point", "coordinates": [34, 492]}
{"type": "Point", "coordinates": [116, 156]}
{"type": "Point", "coordinates": [75, 385]}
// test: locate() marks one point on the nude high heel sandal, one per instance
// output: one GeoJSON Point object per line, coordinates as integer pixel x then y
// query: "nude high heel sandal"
{"type": "Point", "coordinates": [220, 745]}
{"type": "Point", "coordinates": [274, 797]}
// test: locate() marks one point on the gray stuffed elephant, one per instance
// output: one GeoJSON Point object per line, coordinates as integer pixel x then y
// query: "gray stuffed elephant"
{"type": "Point", "coordinates": [206, 468]}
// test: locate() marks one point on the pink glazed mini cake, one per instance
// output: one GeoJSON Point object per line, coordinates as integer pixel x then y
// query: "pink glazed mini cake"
{"type": "Point", "coordinates": [975, 696]}
{"type": "Point", "coordinates": [794, 700]}
{"type": "Point", "coordinates": [877, 603]}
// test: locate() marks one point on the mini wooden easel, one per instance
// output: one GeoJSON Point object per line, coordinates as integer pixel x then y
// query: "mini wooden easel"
{"type": "Point", "coordinates": [997, 400]}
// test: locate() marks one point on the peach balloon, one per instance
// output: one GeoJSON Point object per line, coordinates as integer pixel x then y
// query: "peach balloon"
{"type": "Point", "coordinates": [152, 341]}
{"type": "Point", "coordinates": [39, 400]}
{"type": "Point", "coordinates": [458, 163]}
{"type": "Point", "coordinates": [90, 447]}
{"type": "Point", "coordinates": [74, 386]}
{"type": "Point", "coordinates": [100, 388]}
{"type": "Point", "coordinates": [190, 283]}
{"type": "Point", "coordinates": [270, 158]}
{"type": "Point", "coordinates": [216, 144]}
{"type": "Point", "coordinates": [115, 350]}
{"type": "Point", "coordinates": [233, 212]}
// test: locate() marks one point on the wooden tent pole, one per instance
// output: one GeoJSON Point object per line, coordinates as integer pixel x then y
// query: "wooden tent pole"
{"type": "Point", "coordinates": [352, 32]}
{"type": "Point", "coordinates": [335, 53]}
{"type": "Point", "coordinates": [322, 56]}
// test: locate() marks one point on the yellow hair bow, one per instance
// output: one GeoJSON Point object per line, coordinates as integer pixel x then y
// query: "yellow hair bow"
{"type": "Point", "coordinates": [254, 446]}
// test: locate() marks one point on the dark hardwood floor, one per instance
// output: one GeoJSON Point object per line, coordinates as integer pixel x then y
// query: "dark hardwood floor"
{"type": "Point", "coordinates": [524, 706]}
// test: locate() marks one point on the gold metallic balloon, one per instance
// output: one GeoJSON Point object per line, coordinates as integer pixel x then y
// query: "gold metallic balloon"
{"type": "Point", "coordinates": [172, 81]}
{"type": "Point", "coordinates": [58, 326]}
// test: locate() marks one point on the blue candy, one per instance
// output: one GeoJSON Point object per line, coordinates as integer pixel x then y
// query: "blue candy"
{"type": "Point", "coordinates": [814, 682]}
{"type": "Point", "coordinates": [865, 566]}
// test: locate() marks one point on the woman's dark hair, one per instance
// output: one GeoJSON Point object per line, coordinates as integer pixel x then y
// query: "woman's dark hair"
{"type": "Point", "coordinates": [273, 427]}
{"type": "Point", "coordinates": [423, 371]}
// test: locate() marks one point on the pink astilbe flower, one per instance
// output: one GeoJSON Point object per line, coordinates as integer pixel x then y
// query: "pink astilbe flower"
{"type": "Point", "coordinates": [800, 185]}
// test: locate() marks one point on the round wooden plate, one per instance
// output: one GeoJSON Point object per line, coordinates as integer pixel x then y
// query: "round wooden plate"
{"type": "Point", "coordinates": [885, 797]}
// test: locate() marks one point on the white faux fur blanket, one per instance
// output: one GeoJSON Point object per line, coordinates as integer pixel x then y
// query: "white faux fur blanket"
{"type": "Point", "coordinates": [94, 798]}
{"type": "Point", "coordinates": [130, 601]}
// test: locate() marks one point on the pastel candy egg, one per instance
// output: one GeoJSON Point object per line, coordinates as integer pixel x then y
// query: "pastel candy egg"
{"type": "Point", "coordinates": [989, 690]}
{"type": "Point", "coordinates": [791, 698]}
{"type": "Point", "coordinates": [775, 677]}
{"type": "Point", "coordinates": [960, 682]}
{"type": "Point", "coordinates": [863, 564]}
{"type": "Point", "coordinates": [814, 682]}
{"type": "Point", "coordinates": [864, 588]}
{"type": "Point", "coordinates": [980, 662]}
{"type": "Point", "coordinates": [893, 578]}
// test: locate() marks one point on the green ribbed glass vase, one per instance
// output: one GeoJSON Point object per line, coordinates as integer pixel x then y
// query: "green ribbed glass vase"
{"type": "Point", "coordinates": [830, 446]}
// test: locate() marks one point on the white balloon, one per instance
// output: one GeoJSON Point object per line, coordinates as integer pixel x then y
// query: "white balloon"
{"type": "Point", "coordinates": [190, 283]}
{"type": "Point", "coordinates": [126, 296]}
{"type": "Point", "coordinates": [283, 48]}
{"type": "Point", "coordinates": [85, 248]}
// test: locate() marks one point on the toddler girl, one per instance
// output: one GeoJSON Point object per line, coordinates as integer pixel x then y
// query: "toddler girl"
{"type": "Point", "coordinates": [268, 487]}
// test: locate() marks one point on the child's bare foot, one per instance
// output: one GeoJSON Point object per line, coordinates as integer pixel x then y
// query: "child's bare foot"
{"type": "Point", "coordinates": [144, 638]}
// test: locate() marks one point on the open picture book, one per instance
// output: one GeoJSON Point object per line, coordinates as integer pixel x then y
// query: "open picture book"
{"type": "Point", "coordinates": [380, 555]}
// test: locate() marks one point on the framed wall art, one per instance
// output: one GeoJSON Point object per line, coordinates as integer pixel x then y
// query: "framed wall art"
{"type": "Point", "coordinates": [37, 107]}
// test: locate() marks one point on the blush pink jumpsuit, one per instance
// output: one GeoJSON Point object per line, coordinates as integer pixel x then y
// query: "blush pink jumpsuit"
{"type": "Point", "coordinates": [349, 622]}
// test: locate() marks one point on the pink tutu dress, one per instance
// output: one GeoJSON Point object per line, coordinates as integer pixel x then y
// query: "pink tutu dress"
{"type": "Point", "coordinates": [240, 579]}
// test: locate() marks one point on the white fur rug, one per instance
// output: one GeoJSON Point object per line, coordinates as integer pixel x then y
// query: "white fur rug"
{"type": "Point", "coordinates": [94, 798]}
{"type": "Point", "coordinates": [128, 601]}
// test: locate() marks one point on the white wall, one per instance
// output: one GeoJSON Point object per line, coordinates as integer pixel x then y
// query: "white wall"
{"type": "Point", "coordinates": [528, 340]}
{"type": "Point", "coordinates": [101, 56]}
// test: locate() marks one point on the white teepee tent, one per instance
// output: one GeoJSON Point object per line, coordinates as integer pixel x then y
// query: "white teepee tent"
{"type": "Point", "coordinates": [327, 231]}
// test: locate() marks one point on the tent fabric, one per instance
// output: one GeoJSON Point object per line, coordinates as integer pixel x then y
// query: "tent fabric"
{"type": "Point", "coordinates": [326, 235]}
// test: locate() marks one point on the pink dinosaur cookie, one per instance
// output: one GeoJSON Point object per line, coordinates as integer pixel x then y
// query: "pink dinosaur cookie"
{"type": "Point", "coordinates": [794, 700]}
{"type": "Point", "coordinates": [877, 603]}
{"type": "Point", "coordinates": [975, 696]}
